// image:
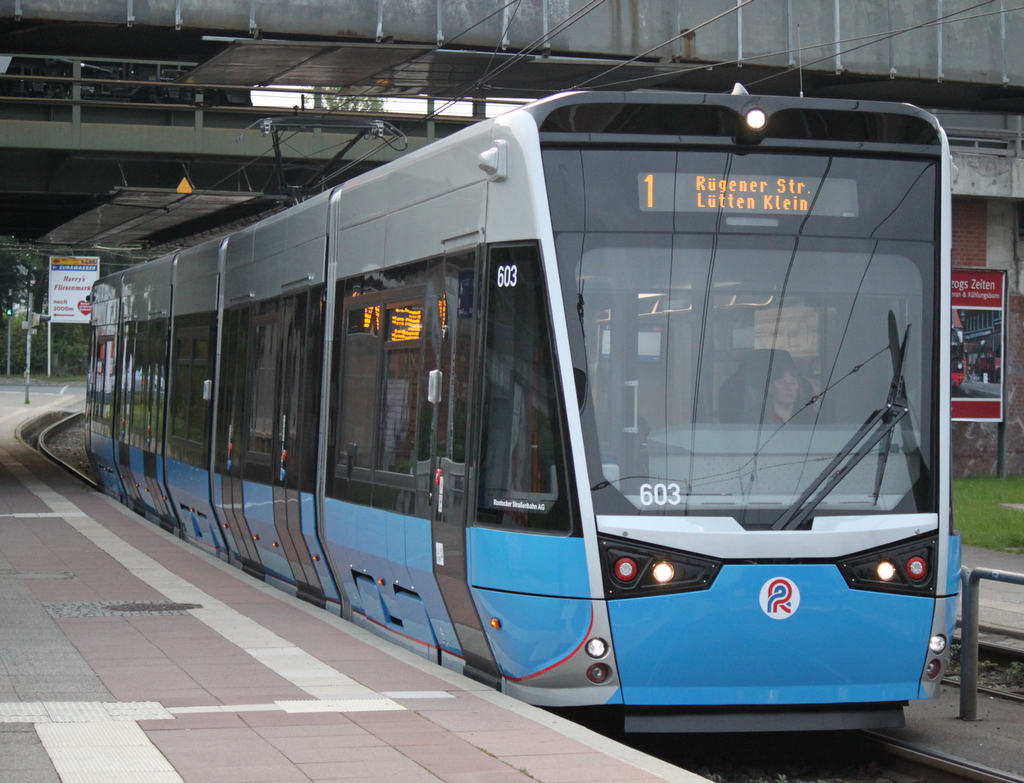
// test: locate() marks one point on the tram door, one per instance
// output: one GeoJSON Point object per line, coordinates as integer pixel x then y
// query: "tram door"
{"type": "Point", "coordinates": [231, 439]}
{"type": "Point", "coordinates": [103, 411]}
{"type": "Point", "coordinates": [293, 473]}
{"type": "Point", "coordinates": [267, 444]}
{"type": "Point", "coordinates": [450, 390]}
{"type": "Point", "coordinates": [146, 424]}
{"type": "Point", "coordinates": [126, 404]}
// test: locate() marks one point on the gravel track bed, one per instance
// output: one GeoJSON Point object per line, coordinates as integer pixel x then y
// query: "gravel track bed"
{"type": "Point", "coordinates": [68, 445]}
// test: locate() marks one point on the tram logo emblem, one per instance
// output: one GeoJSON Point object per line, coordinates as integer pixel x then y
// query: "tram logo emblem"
{"type": "Point", "coordinates": [780, 598]}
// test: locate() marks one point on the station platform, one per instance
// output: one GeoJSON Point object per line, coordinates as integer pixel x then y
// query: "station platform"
{"type": "Point", "coordinates": [127, 655]}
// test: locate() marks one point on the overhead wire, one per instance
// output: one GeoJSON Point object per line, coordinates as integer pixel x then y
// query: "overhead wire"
{"type": "Point", "coordinates": [536, 43]}
{"type": "Point", "coordinates": [883, 37]}
{"type": "Point", "coordinates": [540, 41]}
{"type": "Point", "coordinates": [242, 168]}
{"type": "Point", "coordinates": [334, 175]}
{"type": "Point", "coordinates": [579, 14]}
{"type": "Point", "coordinates": [663, 44]}
{"type": "Point", "coordinates": [876, 38]}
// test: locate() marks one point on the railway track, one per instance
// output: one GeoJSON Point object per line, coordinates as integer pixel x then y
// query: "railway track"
{"type": "Point", "coordinates": [805, 757]}
{"type": "Point", "coordinates": [836, 757]}
{"type": "Point", "coordinates": [905, 761]}
{"type": "Point", "coordinates": [997, 659]}
{"type": "Point", "coordinates": [63, 442]}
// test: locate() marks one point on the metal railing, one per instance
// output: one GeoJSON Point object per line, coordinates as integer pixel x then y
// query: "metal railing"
{"type": "Point", "coordinates": [970, 579]}
{"type": "Point", "coordinates": [1007, 142]}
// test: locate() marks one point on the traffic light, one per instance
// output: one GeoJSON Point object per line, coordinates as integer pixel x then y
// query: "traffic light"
{"type": "Point", "coordinates": [9, 305]}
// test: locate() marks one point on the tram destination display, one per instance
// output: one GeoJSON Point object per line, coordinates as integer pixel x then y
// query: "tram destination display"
{"type": "Point", "coordinates": [752, 194]}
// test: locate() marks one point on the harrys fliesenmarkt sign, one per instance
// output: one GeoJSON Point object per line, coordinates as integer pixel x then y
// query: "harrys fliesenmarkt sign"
{"type": "Point", "coordinates": [976, 345]}
{"type": "Point", "coordinates": [71, 281]}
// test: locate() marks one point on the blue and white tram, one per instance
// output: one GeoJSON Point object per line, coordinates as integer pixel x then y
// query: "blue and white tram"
{"type": "Point", "coordinates": [616, 399]}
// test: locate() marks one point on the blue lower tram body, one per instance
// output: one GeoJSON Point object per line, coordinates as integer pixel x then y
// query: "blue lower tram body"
{"type": "Point", "coordinates": [189, 491]}
{"type": "Point", "coordinates": [710, 647]}
{"type": "Point", "coordinates": [101, 450]}
{"type": "Point", "coordinates": [718, 646]}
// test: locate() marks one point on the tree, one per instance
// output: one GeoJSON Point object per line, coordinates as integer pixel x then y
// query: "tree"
{"type": "Point", "coordinates": [351, 103]}
{"type": "Point", "coordinates": [25, 268]}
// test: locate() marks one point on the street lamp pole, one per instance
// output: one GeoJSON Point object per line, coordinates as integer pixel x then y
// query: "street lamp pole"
{"type": "Point", "coordinates": [28, 345]}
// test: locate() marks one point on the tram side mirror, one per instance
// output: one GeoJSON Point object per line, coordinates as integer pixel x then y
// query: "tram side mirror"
{"type": "Point", "coordinates": [353, 452]}
{"type": "Point", "coordinates": [434, 387]}
{"type": "Point", "coordinates": [207, 390]}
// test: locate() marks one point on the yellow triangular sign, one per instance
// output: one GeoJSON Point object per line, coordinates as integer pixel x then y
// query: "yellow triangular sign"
{"type": "Point", "coordinates": [184, 186]}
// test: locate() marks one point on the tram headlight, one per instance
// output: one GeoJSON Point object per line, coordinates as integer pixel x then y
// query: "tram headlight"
{"type": "Point", "coordinates": [756, 119]}
{"type": "Point", "coordinates": [663, 572]}
{"type": "Point", "coordinates": [907, 567]}
{"type": "Point", "coordinates": [632, 568]}
{"type": "Point", "coordinates": [937, 644]}
{"type": "Point", "coordinates": [596, 648]}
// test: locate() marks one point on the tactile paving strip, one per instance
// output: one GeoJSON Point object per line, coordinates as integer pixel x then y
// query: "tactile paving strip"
{"type": "Point", "coordinates": [23, 712]}
{"type": "Point", "coordinates": [82, 712]}
{"type": "Point", "coordinates": [110, 752]}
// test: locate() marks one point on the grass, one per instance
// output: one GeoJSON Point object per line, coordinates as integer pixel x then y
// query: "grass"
{"type": "Point", "coordinates": [981, 517]}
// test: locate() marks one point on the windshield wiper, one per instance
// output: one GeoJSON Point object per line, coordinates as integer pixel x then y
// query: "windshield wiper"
{"type": "Point", "coordinates": [897, 351]}
{"type": "Point", "coordinates": [877, 427]}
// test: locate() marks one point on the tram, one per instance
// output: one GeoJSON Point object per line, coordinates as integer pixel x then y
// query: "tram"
{"type": "Point", "coordinates": [630, 400]}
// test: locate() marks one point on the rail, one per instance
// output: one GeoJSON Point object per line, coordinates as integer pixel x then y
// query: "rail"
{"type": "Point", "coordinates": [970, 579]}
{"type": "Point", "coordinates": [43, 448]}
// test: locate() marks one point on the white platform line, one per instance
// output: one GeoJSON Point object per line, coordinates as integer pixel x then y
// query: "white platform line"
{"type": "Point", "coordinates": [46, 515]}
{"type": "Point", "coordinates": [95, 712]}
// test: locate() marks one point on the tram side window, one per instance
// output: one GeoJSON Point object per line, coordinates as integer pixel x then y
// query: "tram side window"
{"type": "Point", "coordinates": [103, 380]}
{"type": "Point", "coordinates": [401, 376]}
{"type": "Point", "coordinates": [231, 435]}
{"type": "Point", "coordinates": [314, 391]}
{"type": "Point", "coordinates": [148, 380]}
{"type": "Point", "coordinates": [126, 404]}
{"type": "Point", "coordinates": [263, 411]}
{"type": "Point", "coordinates": [522, 474]}
{"type": "Point", "coordinates": [188, 410]}
{"type": "Point", "coordinates": [358, 393]}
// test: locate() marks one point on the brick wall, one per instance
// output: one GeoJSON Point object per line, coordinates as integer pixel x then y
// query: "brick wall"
{"type": "Point", "coordinates": [970, 232]}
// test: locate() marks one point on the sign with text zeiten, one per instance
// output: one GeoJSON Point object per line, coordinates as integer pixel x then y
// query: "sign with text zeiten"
{"type": "Point", "coordinates": [71, 282]}
{"type": "Point", "coordinates": [976, 344]}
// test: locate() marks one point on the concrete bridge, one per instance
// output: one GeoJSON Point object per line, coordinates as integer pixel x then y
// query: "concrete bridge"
{"type": "Point", "coordinates": [107, 105]}
{"type": "Point", "coordinates": [444, 46]}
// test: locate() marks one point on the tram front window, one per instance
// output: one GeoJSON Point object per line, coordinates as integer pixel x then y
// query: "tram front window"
{"type": "Point", "coordinates": [727, 371]}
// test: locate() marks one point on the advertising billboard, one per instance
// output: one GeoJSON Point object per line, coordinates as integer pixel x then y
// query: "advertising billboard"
{"type": "Point", "coordinates": [976, 344]}
{"type": "Point", "coordinates": [71, 281]}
